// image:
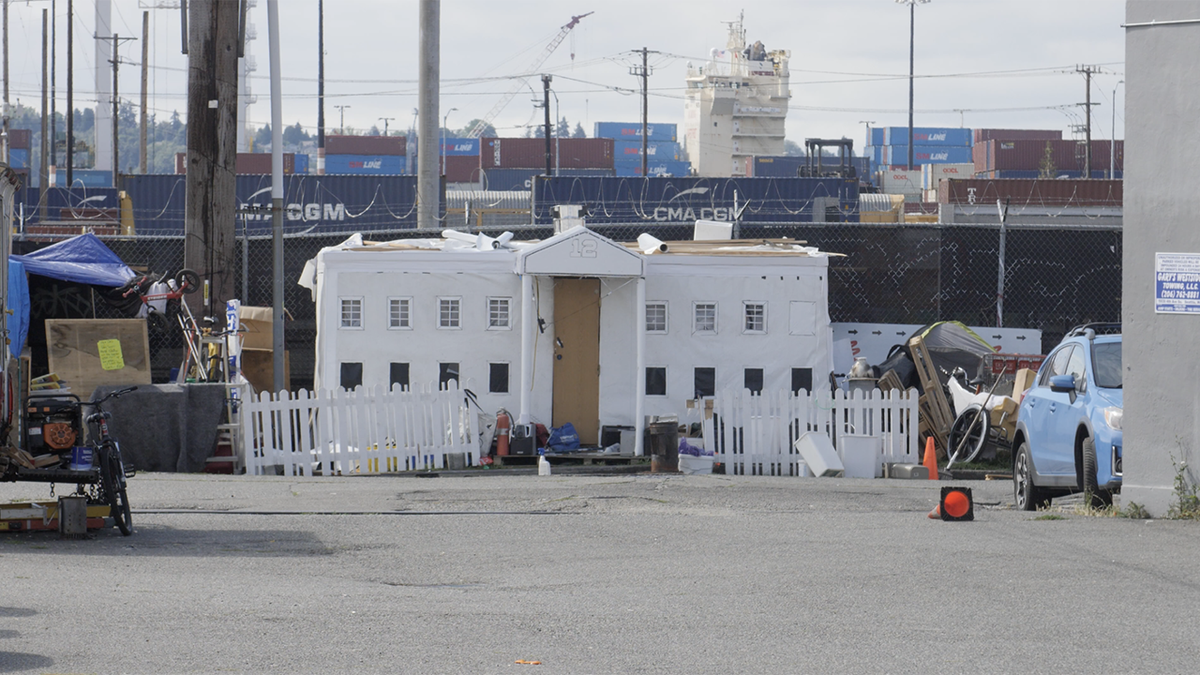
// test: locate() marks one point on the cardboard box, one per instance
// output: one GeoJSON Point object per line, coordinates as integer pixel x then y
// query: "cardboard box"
{"type": "Point", "coordinates": [258, 367]}
{"type": "Point", "coordinates": [74, 352]}
{"type": "Point", "coordinates": [1023, 381]}
{"type": "Point", "coordinates": [258, 327]}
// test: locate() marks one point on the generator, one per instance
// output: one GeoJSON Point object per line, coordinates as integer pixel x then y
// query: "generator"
{"type": "Point", "coordinates": [53, 424]}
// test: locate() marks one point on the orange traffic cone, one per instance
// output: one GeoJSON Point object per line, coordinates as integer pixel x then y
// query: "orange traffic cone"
{"type": "Point", "coordinates": [931, 458]}
{"type": "Point", "coordinates": [936, 513]}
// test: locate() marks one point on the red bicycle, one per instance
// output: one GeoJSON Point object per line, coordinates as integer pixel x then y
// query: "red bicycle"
{"type": "Point", "coordinates": [159, 295]}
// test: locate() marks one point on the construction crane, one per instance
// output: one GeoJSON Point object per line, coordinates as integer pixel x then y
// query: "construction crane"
{"type": "Point", "coordinates": [504, 100]}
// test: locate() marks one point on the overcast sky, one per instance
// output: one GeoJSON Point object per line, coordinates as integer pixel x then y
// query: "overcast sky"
{"type": "Point", "coordinates": [979, 63]}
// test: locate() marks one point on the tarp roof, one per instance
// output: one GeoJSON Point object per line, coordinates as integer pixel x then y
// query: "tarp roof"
{"type": "Point", "coordinates": [83, 259]}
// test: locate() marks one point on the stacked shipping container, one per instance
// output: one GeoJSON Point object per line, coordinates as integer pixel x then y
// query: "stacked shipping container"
{"type": "Point", "coordinates": [1032, 192]}
{"type": "Point", "coordinates": [888, 146]}
{"type": "Point", "coordinates": [371, 155]}
{"type": "Point", "coordinates": [994, 158]}
{"type": "Point", "coordinates": [664, 157]}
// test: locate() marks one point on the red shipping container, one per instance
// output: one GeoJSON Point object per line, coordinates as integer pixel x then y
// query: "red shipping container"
{"type": "Point", "coordinates": [982, 135]}
{"type": "Point", "coordinates": [20, 139]}
{"type": "Point", "coordinates": [995, 155]}
{"type": "Point", "coordinates": [365, 145]}
{"type": "Point", "coordinates": [530, 153]}
{"type": "Point", "coordinates": [461, 168]}
{"type": "Point", "coordinates": [247, 163]}
{"type": "Point", "coordinates": [1032, 192]}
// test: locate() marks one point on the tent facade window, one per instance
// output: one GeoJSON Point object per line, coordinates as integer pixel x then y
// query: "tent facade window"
{"type": "Point", "coordinates": [352, 313]}
{"type": "Point", "coordinates": [400, 313]}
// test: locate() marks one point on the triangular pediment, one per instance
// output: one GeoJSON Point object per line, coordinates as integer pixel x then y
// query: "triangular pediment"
{"type": "Point", "coordinates": [580, 252]}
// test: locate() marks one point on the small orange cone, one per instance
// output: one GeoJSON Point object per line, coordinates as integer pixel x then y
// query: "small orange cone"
{"type": "Point", "coordinates": [931, 458]}
{"type": "Point", "coordinates": [936, 513]}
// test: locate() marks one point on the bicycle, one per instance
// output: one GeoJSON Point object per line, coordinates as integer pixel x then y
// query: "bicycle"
{"type": "Point", "coordinates": [107, 454]}
{"type": "Point", "coordinates": [160, 305]}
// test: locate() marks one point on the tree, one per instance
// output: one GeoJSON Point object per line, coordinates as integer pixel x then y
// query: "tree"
{"type": "Point", "coordinates": [578, 133]}
{"type": "Point", "coordinates": [294, 135]}
{"type": "Point", "coordinates": [1046, 168]}
{"type": "Point", "coordinates": [262, 137]}
{"type": "Point", "coordinates": [489, 131]}
{"type": "Point", "coordinates": [792, 149]}
{"type": "Point", "coordinates": [562, 129]}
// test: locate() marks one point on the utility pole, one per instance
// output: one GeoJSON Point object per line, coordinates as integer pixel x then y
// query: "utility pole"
{"type": "Point", "coordinates": [116, 104]}
{"type": "Point", "coordinates": [320, 87]}
{"type": "Point", "coordinates": [644, 73]}
{"type": "Point", "coordinates": [144, 117]}
{"type": "Point", "coordinates": [209, 215]}
{"type": "Point", "coordinates": [4, 129]}
{"type": "Point", "coordinates": [546, 104]}
{"type": "Point", "coordinates": [429, 75]}
{"type": "Point", "coordinates": [385, 124]}
{"type": "Point", "coordinates": [53, 94]}
{"type": "Point", "coordinates": [1087, 71]}
{"type": "Point", "coordinates": [44, 170]}
{"type": "Point", "coordinates": [342, 118]}
{"type": "Point", "coordinates": [70, 92]}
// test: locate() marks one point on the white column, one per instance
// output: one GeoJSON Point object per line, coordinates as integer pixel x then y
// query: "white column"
{"type": "Point", "coordinates": [639, 378]}
{"type": "Point", "coordinates": [528, 335]}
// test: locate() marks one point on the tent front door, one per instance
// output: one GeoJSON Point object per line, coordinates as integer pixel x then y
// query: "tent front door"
{"type": "Point", "coordinates": [577, 356]}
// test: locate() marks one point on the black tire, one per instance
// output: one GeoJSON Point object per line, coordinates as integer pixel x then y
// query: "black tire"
{"type": "Point", "coordinates": [188, 280]}
{"type": "Point", "coordinates": [976, 429]}
{"type": "Point", "coordinates": [1092, 494]}
{"type": "Point", "coordinates": [1027, 496]}
{"type": "Point", "coordinates": [112, 484]}
{"type": "Point", "coordinates": [156, 321]}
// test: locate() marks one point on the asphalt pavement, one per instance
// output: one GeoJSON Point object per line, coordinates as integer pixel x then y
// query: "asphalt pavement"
{"type": "Point", "coordinates": [594, 573]}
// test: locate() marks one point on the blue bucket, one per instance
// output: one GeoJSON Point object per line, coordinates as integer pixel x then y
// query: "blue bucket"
{"type": "Point", "coordinates": [81, 458]}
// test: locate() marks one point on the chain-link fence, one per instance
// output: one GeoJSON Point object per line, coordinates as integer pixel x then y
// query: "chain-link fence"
{"type": "Point", "coordinates": [1053, 277]}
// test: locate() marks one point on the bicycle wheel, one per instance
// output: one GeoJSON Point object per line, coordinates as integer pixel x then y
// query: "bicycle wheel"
{"type": "Point", "coordinates": [188, 280]}
{"type": "Point", "coordinates": [112, 484]}
{"type": "Point", "coordinates": [974, 427]}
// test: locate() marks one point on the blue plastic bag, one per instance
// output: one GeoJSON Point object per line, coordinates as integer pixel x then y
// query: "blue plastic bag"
{"type": "Point", "coordinates": [563, 439]}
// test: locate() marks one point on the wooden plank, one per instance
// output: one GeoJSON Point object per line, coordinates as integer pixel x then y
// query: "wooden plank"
{"type": "Point", "coordinates": [75, 357]}
{"type": "Point", "coordinates": [940, 417]}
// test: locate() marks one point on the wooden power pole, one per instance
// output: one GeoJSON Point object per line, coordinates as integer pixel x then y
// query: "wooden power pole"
{"type": "Point", "coordinates": [212, 147]}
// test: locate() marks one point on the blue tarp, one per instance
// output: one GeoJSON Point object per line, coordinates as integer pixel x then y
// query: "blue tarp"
{"type": "Point", "coordinates": [83, 259]}
{"type": "Point", "coordinates": [18, 304]}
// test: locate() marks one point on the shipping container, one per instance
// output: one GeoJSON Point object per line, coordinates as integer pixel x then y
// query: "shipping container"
{"type": "Point", "coordinates": [522, 179]}
{"type": "Point", "coordinates": [899, 182]}
{"type": "Point", "coordinates": [682, 201]}
{"type": "Point", "coordinates": [20, 138]}
{"type": "Point", "coordinates": [940, 136]}
{"type": "Point", "coordinates": [1032, 192]}
{"type": "Point", "coordinates": [455, 147]}
{"type": "Point", "coordinates": [876, 136]}
{"type": "Point", "coordinates": [1058, 173]}
{"type": "Point", "coordinates": [331, 204]}
{"type": "Point", "coordinates": [59, 199]}
{"type": "Point", "coordinates": [89, 178]}
{"type": "Point", "coordinates": [365, 145]}
{"type": "Point", "coordinates": [375, 165]}
{"type": "Point", "coordinates": [631, 151]}
{"type": "Point", "coordinates": [300, 164]}
{"type": "Point", "coordinates": [666, 133]}
{"type": "Point", "coordinates": [18, 158]}
{"type": "Point", "coordinates": [982, 135]}
{"type": "Point", "coordinates": [932, 173]}
{"type": "Point", "coordinates": [996, 155]}
{"type": "Point", "coordinates": [926, 154]}
{"type": "Point", "coordinates": [247, 162]}
{"type": "Point", "coordinates": [530, 153]}
{"type": "Point", "coordinates": [655, 167]}
{"type": "Point", "coordinates": [461, 168]}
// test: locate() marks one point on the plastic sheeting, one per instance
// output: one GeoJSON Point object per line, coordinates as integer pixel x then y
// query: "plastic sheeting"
{"type": "Point", "coordinates": [17, 303]}
{"type": "Point", "coordinates": [83, 259]}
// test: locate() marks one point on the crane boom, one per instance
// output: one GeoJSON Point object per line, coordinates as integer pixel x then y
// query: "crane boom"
{"type": "Point", "coordinates": [507, 98]}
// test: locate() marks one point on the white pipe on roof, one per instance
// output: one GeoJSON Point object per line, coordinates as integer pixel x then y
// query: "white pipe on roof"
{"type": "Point", "coordinates": [648, 244]}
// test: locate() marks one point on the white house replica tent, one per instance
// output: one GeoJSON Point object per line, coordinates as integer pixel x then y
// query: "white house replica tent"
{"type": "Point", "coordinates": [576, 328]}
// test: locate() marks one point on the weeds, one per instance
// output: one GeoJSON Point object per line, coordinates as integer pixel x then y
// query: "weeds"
{"type": "Point", "coordinates": [1187, 494]}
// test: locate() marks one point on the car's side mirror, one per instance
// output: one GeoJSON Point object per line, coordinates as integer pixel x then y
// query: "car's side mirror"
{"type": "Point", "coordinates": [1063, 384]}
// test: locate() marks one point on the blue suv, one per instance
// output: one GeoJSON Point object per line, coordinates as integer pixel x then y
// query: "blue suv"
{"type": "Point", "coordinates": [1068, 435]}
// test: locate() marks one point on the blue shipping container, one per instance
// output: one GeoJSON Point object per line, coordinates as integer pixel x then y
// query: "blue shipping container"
{"type": "Point", "coordinates": [18, 158]}
{"type": "Point", "coordinates": [58, 199]}
{"type": "Point", "coordinates": [788, 166]}
{"type": "Point", "coordinates": [655, 167]}
{"type": "Point", "coordinates": [876, 137]}
{"type": "Point", "coordinates": [631, 151]}
{"type": "Point", "coordinates": [460, 147]}
{"type": "Point", "coordinates": [684, 200]}
{"type": "Point", "coordinates": [375, 165]}
{"type": "Point", "coordinates": [954, 136]}
{"type": "Point", "coordinates": [926, 154]}
{"type": "Point", "coordinates": [522, 179]}
{"type": "Point", "coordinates": [91, 178]}
{"type": "Point", "coordinates": [322, 204]}
{"type": "Point", "coordinates": [300, 164]}
{"type": "Point", "coordinates": [624, 131]}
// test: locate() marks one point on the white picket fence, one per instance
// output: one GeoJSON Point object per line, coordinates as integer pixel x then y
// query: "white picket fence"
{"type": "Point", "coordinates": [360, 431]}
{"type": "Point", "coordinates": [756, 434]}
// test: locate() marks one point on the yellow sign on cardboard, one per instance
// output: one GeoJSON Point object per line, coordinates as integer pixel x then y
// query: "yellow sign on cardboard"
{"type": "Point", "coordinates": [110, 354]}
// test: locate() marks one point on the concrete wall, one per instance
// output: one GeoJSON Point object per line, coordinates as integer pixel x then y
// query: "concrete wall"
{"type": "Point", "coordinates": [1162, 372]}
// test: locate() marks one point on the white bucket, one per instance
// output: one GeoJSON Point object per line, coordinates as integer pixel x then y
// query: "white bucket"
{"type": "Point", "coordinates": [81, 458]}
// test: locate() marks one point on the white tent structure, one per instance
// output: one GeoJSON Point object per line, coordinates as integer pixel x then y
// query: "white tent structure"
{"type": "Point", "coordinates": [576, 328]}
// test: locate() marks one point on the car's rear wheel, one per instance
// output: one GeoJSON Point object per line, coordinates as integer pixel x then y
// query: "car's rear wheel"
{"type": "Point", "coordinates": [1095, 497]}
{"type": "Point", "coordinates": [1028, 496]}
